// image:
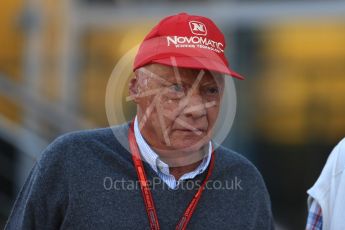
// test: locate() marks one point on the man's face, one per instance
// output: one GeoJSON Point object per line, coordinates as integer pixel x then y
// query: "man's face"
{"type": "Point", "coordinates": [177, 107]}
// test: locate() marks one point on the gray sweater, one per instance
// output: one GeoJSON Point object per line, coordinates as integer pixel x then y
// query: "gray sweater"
{"type": "Point", "coordinates": [86, 180]}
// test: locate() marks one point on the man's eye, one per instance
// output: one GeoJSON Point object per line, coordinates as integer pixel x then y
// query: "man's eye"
{"type": "Point", "coordinates": [177, 88]}
{"type": "Point", "coordinates": [212, 90]}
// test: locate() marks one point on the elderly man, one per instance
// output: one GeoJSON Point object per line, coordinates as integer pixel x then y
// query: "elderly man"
{"type": "Point", "coordinates": [168, 174]}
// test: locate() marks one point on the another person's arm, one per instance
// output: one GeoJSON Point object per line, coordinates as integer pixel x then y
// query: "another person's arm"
{"type": "Point", "coordinates": [314, 221]}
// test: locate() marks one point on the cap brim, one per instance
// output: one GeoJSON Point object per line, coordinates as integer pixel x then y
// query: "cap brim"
{"type": "Point", "coordinates": [199, 63]}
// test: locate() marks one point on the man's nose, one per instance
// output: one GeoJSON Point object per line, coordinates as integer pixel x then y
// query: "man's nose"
{"type": "Point", "coordinates": [195, 107]}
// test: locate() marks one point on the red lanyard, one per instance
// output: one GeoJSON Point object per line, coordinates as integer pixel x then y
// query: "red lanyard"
{"type": "Point", "coordinates": [150, 207]}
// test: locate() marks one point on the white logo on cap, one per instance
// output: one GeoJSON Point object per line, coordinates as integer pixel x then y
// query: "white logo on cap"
{"type": "Point", "coordinates": [198, 28]}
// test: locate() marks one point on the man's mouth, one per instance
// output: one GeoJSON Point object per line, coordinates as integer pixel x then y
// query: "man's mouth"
{"type": "Point", "coordinates": [197, 131]}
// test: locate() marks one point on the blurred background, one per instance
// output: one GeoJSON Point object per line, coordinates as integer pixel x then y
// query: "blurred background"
{"type": "Point", "coordinates": [56, 58]}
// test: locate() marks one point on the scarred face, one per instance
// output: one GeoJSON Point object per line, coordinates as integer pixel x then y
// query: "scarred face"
{"type": "Point", "coordinates": [177, 107]}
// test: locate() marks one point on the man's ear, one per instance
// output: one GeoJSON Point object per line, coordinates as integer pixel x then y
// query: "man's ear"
{"type": "Point", "coordinates": [133, 89]}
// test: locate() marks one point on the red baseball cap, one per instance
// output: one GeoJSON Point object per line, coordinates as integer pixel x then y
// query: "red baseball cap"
{"type": "Point", "coordinates": [188, 41]}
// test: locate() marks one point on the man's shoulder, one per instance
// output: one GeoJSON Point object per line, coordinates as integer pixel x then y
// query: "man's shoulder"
{"type": "Point", "coordinates": [78, 143]}
{"type": "Point", "coordinates": [104, 135]}
{"type": "Point", "coordinates": [331, 172]}
{"type": "Point", "coordinates": [231, 158]}
{"type": "Point", "coordinates": [100, 134]}
{"type": "Point", "coordinates": [230, 161]}
{"type": "Point", "coordinates": [339, 155]}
